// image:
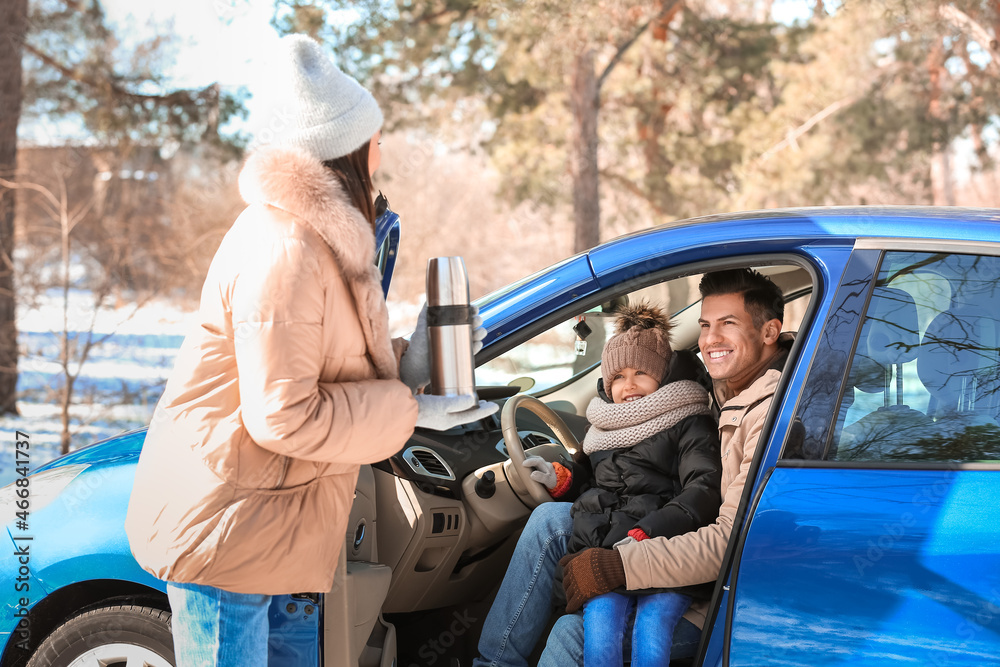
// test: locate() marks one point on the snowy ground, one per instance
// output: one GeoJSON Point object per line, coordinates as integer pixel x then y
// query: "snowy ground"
{"type": "Point", "coordinates": [118, 386]}
{"type": "Point", "coordinates": [121, 381]}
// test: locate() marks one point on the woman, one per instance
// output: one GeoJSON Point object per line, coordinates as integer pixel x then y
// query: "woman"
{"type": "Point", "coordinates": [287, 385]}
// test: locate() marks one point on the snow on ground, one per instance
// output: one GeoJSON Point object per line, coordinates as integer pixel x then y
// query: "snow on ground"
{"type": "Point", "coordinates": [118, 386]}
{"type": "Point", "coordinates": [122, 379]}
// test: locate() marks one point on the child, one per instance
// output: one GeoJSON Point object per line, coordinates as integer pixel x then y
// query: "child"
{"type": "Point", "coordinates": [654, 451]}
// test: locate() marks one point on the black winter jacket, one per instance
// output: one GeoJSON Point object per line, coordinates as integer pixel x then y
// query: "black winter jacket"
{"type": "Point", "coordinates": [667, 484]}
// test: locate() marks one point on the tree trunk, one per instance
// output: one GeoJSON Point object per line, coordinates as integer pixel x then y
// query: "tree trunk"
{"type": "Point", "coordinates": [64, 353]}
{"type": "Point", "coordinates": [13, 18]}
{"type": "Point", "coordinates": [584, 105]}
{"type": "Point", "coordinates": [66, 401]}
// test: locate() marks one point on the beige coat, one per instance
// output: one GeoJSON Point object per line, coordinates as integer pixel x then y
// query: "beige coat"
{"type": "Point", "coordinates": [287, 385]}
{"type": "Point", "coordinates": [696, 557]}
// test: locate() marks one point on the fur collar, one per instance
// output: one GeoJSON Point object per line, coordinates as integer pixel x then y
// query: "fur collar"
{"type": "Point", "coordinates": [296, 182]}
{"type": "Point", "coordinates": [293, 181]}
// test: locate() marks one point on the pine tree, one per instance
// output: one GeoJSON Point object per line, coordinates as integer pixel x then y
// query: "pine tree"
{"type": "Point", "coordinates": [539, 67]}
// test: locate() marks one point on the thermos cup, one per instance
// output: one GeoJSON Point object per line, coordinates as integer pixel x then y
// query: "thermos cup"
{"type": "Point", "coordinates": [449, 328]}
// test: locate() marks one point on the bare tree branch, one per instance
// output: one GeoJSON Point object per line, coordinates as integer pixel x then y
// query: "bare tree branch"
{"type": "Point", "coordinates": [175, 97]}
{"type": "Point", "coordinates": [41, 189]}
{"type": "Point", "coordinates": [58, 205]}
{"type": "Point", "coordinates": [793, 135]}
{"type": "Point", "coordinates": [624, 46]}
{"type": "Point", "coordinates": [964, 22]}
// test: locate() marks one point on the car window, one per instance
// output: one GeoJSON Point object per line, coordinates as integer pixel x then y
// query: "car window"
{"type": "Point", "coordinates": [553, 356]}
{"type": "Point", "coordinates": [923, 379]}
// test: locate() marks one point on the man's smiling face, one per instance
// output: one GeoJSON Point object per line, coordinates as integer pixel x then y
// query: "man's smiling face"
{"type": "Point", "coordinates": [730, 343]}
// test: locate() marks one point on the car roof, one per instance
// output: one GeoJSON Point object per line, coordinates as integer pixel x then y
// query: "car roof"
{"type": "Point", "coordinates": [845, 222]}
{"type": "Point", "coordinates": [849, 220]}
{"type": "Point", "coordinates": [776, 230]}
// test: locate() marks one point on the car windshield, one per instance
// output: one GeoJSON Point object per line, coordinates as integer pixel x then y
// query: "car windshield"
{"type": "Point", "coordinates": [554, 356]}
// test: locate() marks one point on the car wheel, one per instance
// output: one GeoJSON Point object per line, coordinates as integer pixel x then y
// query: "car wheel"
{"type": "Point", "coordinates": [118, 636]}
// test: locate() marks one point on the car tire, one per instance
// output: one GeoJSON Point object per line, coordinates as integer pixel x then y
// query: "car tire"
{"type": "Point", "coordinates": [114, 636]}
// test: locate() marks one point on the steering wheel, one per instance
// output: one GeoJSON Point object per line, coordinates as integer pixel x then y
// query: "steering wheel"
{"type": "Point", "coordinates": [538, 492]}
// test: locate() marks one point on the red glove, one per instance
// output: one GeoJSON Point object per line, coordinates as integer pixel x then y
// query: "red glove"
{"type": "Point", "coordinates": [638, 534]}
{"type": "Point", "coordinates": [590, 573]}
{"type": "Point", "coordinates": [564, 479]}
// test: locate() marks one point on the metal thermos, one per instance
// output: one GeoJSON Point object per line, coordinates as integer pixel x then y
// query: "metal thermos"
{"type": "Point", "coordinates": [449, 328]}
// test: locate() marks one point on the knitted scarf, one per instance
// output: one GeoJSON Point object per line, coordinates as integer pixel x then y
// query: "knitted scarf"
{"type": "Point", "coordinates": [619, 425]}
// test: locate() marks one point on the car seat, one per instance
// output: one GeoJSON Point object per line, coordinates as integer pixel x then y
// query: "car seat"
{"type": "Point", "coordinates": [889, 338]}
{"type": "Point", "coordinates": [958, 364]}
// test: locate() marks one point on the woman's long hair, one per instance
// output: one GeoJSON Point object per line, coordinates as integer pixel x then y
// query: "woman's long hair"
{"type": "Point", "coordinates": [352, 172]}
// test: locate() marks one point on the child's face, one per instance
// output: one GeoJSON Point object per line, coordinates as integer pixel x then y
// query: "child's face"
{"type": "Point", "coordinates": [628, 384]}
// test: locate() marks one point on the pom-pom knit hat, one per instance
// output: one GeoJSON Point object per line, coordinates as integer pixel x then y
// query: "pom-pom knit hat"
{"type": "Point", "coordinates": [314, 105]}
{"type": "Point", "coordinates": [641, 341]}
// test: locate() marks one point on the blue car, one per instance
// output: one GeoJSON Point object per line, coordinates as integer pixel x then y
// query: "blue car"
{"type": "Point", "coordinates": [869, 531]}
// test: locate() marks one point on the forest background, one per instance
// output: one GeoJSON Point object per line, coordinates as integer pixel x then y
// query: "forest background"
{"type": "Point", "coordinates": [518, 132]}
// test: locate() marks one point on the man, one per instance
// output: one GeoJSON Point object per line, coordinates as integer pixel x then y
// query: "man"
{"type": "Point", "coordinates": [744, 352]}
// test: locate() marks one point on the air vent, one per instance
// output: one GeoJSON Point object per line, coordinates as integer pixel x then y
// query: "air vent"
{"type": "Point", "coordinates": [535, 439]}
{"type": "Point", "coordinates": [427, 462]}
{"type": "Point", "coordinates": [529, 439]}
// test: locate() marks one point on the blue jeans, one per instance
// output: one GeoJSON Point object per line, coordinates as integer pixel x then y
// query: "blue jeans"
{"type": "Point", "coordinates": [605, 619]}
{"type": "Point", "coordinates": [523, 604]}
{"type": "Point", "coordinates": [564, 647]}
{"type": "Point", "coordinates": [217, 628]}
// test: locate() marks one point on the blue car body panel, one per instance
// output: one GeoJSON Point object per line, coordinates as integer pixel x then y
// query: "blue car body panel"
{"type": "Point", "coordinates": [864, 567]}
{"type": "Point", "coordinates": [835, 564]}
{"type": "Point", "coordinates": [387, 230]}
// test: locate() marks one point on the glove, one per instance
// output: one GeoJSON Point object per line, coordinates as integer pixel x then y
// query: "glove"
{"type": "Point", "coordinates": [638, 534]}
{"type": "Point", "coordinates": [544, 473]}
{"type": "Point", "coordinates": [415, 366]}
{"type": "Point", "coordinates": [478, 331]}
{"type": "Point", "coordinates": [444, 412]}
{"type": "Point", "coordinates": [590, 573]}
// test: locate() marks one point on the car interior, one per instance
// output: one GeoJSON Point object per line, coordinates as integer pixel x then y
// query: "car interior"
{"type": "Point", "coordinates": [923, 383]}
{"type": "Point", "coordinates": [433, 528]}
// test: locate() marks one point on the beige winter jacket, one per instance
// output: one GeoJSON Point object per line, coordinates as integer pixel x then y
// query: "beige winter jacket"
{"type": "Point", "coordinates": [696, 557]}
{"type": "Point", "coordinates": [284, 388]}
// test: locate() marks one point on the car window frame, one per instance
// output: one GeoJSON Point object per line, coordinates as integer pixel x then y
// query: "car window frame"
{"type": "Point", "coordinates": [595, 299]}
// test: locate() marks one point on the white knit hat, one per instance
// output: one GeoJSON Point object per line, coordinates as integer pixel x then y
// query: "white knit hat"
{"type": "Point", "coordinates": [313, 105]}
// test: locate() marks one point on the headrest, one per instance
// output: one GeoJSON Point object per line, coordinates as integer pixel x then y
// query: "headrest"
{"type": "Point", "coordinates": [893, 331]}
{"type": "Point", "coordinates": [867, 374]}
{"type": "Point", "coordinates": [958, 358]}
{"type": "Point", "coordinates": [685, 365]}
